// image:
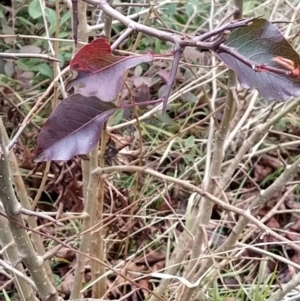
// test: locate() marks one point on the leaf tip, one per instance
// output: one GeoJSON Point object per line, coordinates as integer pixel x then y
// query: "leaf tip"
{"type": "Point", "coordinates": [38, 155]}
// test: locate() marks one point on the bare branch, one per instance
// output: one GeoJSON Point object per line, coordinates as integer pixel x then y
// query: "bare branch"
{"type": "Point", "coordinates": [167, 36]}
{"type": "Point", "coordinates": [122, 37]}
{"type": "Point", "coordinates": [40, 214]}
{"type": "Point", "coordinates": [22, 195]}
{"type": "Point", "coordinates": [36, 106]}
{"type": "Point", "coordinates": [11, 206]}
{"type": "Point", "coordinates": [134, 15]}
{"type": "Point", "coordinates": [221, 29]}
{"type": "Point", "coordinates": [16, 56]}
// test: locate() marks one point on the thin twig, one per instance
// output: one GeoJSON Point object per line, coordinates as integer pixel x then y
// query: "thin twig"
{"type": "Point", "coordinates": [167, 36]}
{"type": "Point", "coordinates": [254, 66]}
{"type": "Point", "coordinates": [75, 21]}
{"type": "Point", "coordinates": [280, 294]}
{"type": "Point", "coordinates": [24, 245]}
{"type": "Point", "coordinates": [133, 16]}
{"type": "Point", "coordinates": [39, 214]}
{"type": "Point", "coordinates": [57, 68]}
{"type": "Point", "coordinates": [18, 273]}
{"type": "Point", "coordinates": [34, 109]}
{"type": "Point", "coordinates": [122, 37]}
{"type": "Point", "coordinates": [16, 56]}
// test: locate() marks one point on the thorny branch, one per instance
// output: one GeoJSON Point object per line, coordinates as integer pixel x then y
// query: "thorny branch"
{"type": "Point", "coordinates": [32, 261]}
{"type": "Point", "coordinates": [178, 40]}
{"type": "Point", "coordinates": [212, 40]}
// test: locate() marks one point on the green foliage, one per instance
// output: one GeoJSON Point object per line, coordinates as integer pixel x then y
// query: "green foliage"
{"type": "Point", "coordinates": [34, 9]}
{"type": "Point", "coordinates": [29, 21]}
{"type": "Point", "coordinates": [117, 117]}
{"type": "Point", "coordinates": [272, 177]}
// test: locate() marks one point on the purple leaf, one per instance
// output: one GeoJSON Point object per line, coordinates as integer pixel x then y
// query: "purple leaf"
{"type": "Point", "coordinates": [73, 128]}
{"type": "Point", "coordinates": [100, 73]}
{"type": "Point", "coordinates": [261, 42]}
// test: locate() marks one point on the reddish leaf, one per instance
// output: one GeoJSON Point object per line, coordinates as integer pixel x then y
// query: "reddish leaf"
{"type": "Point", "coordinates": [263, 44]}
{"type": "Point", "coordinates": [73, 128]}
{"type": "Point", "coordinates": [100, 72]}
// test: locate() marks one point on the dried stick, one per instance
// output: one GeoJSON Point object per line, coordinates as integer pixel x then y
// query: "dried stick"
{"type": "Point", "coordinates": [97, 243]}
{"type": "Point", "coordinates": [122, 37]}
{"type": "Point", "coordinates": [34, 264]}
{"type": "Point", "coordinates": [39, 214]}
{"type": "Point", "coordinates": [98, 186]}
{"type": "Point", "coordinates": [75, 21]}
